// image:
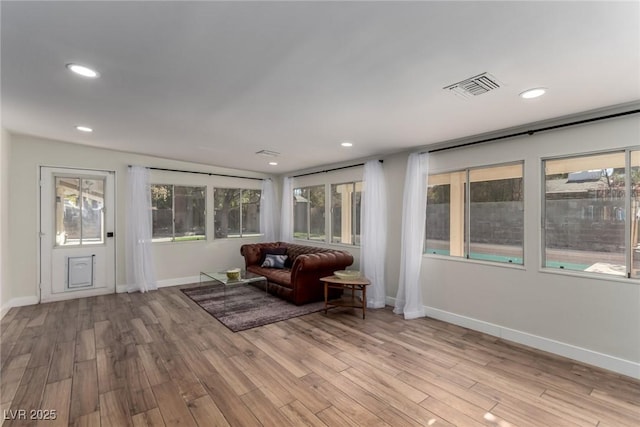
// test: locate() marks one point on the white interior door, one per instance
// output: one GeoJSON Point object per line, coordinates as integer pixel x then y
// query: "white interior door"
{"type": "Point", "coordinates": [77, 242]}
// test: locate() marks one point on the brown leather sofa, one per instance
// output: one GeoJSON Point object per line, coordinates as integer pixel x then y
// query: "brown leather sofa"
{"type": "Point", "coordinates": [298, 282]}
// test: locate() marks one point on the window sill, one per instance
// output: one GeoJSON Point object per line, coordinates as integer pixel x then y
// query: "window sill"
{"type": "Point", "coordinates": [476, 261]}
{"type": "Point", "coordinates": [323, 242]}
{"type": "Point", "coordinates": [180, 242]}
{"type": "Point", "coordinates": [250, 236]}
{"type": "Point", "coordinates": [592, 276]}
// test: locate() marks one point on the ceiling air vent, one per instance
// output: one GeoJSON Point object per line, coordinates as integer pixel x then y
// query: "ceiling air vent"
{"type": "Point", "coordinates": [474, 86]}
{"type": "Point", "coordinates": [268, 153]}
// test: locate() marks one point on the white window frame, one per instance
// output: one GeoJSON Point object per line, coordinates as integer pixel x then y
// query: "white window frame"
{"type": "Point", "coordinates": [172, 239]}
{"type": "Point", "coordinates": [629, 276]}
{"type": "Point", "coordinates": [240, 234]}
{"type": "Point", "coordinates": [357, 186]}
{"type": "Point", "coordinates": [327, 221]}
{"type": "Point", "coordinates": [464, 246]}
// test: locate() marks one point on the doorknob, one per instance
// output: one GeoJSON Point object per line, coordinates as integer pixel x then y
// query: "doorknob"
{"type": "Point", "coordinates": [110, 234]}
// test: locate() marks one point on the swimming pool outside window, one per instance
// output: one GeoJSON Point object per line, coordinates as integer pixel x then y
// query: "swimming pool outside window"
{"type": "Point", "coordinates": [587, 227]}
{"type": "Point", "coordinates": [477, 214]}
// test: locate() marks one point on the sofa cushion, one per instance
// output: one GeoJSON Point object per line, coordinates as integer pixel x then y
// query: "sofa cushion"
{"type": "Point", "coordinates": [281, 277]}
{"type": "Point", "coordinates": [274, 251]}
{"type": "Point", "coordinates": [274, 261]}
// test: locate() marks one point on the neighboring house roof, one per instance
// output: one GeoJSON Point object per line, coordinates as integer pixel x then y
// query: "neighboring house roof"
{"type": "Point", "coordinates": [563, 186]}
{"type": "Point", "coordinates": [582, 176]}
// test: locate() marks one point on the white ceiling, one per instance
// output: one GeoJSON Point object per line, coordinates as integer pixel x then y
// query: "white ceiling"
{"type": "Point", "coordinates": [215, 82]}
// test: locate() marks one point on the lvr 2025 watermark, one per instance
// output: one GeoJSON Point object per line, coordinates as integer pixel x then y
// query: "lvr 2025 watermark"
{"type": "Point", "coordinates": [32, 414]}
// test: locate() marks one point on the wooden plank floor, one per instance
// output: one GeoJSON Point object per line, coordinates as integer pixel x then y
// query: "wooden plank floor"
{"type": "Point", "coordinates": [158, 359]}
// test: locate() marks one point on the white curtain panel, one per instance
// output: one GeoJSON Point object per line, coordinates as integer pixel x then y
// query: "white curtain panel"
{"type": "Point", "coordinates": [286, 214]}
{"type": "Point", "coordinates": [268, 211]}
{"type": "Point", "coordinates": [141, 274]}
{"type": "Point", "coordinates": [414, 204]}
{"type": "Point", "coordinates": [373, 239]}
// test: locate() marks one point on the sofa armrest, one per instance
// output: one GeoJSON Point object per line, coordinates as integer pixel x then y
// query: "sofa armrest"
{"type": "Point", "coordinates": [251, 254]}
{"type": "Point", "coordinates": [307, 270]}
{"type": "Point", "coordinates": [322, 261]}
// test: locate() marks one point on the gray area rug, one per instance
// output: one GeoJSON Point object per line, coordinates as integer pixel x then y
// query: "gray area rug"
{"type": "Point", "coordinates": [245, 306]}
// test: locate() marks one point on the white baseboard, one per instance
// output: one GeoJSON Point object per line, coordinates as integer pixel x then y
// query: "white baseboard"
{"type": "Point", "coordinates": [17, 302]}
{"type": "Point", "coordinates": [84, 293]}
{"type": "Point", "coordinates": [22, 301]}
{"type": "Point", "coordinates": [178, 281]}
{"type": "Point", "coordinates": [601, 360]}
{"type": "Point", "coordinates": [4, 310]}
{"type": "Point", "coordinates": [165, 283]}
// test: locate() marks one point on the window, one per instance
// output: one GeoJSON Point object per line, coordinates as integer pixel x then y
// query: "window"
{"type": "Point", "coordinates": [635, 213]}
{"type": "Point", "coordinates": [79, 215]}
{"type": "Point", "coordinates": [585, 213]}
{"type": "Point", "coordinates": [237, 212]}
{"type": "Point", "coordinates": [483, 219]}
{"type": "Point", "coordinates": [346, 201]}
{"type": "Point", "coordinates": [445, 214]}
{"type": "Point", "coordinates": [178, 213]}
{"type": "Point", "coordinates": [309, 213]}
{"type": "Point", "coordinates": [496, 213]}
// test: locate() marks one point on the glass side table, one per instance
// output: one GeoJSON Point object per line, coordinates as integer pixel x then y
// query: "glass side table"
{"type": "Point", "coordinates": [245, 279]}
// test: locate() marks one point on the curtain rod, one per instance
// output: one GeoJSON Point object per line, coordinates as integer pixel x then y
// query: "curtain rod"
{"type": "Point", "coordinates": [205, 173]}
{"type": "Point", "coordinates": [331, 170]}
{"type": "Point", "coordinates": [531, 132]}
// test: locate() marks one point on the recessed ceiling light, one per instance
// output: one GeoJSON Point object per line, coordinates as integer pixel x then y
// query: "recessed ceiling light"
{"type": "Point", "coordinates": [83, 71]}
{"type": "Point", "coordinates": [533, 93]}
{"type": "Point", "coordinates": [273, 163]}
{"type": "Point", "coordinates": [84, 129]}
{"type": "Point", "coordinates": [347, 144]}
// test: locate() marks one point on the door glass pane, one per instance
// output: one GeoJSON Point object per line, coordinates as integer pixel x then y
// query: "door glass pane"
{"type": "Point", "coordinates": [79, 211]}
{"type": "Point", "coordinates": [162, 212]}
{"type": "Point", "coordinates": [92, 211]}
{"type": "Point", "coordinates": [250, 212]}
{"type": "Point", "coordinates": [585, 213]}
{"type": "Point", "coordinates": [635, 214]}
{"type": "Point", "coordinates": [496, 214]}
{"type": "Point", "coordinates": [68, 222]}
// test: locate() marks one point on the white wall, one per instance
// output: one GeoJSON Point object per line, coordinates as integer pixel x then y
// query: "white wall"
{"type": "Point", "coordinates": [175, 262]}
{"type": "Point", "coordinates": [595, 320]}
{"type": "Point", "coordinates": [395, 169]}
{"type": "Point", "coordinates": [5, 289]}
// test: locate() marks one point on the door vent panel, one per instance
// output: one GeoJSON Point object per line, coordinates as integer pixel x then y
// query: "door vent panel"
{"type": "Point", "coordinates": [80, 272]}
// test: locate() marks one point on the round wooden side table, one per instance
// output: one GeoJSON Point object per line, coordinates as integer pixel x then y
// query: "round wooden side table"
{"type": "Point", "coordinates": [355, 284]}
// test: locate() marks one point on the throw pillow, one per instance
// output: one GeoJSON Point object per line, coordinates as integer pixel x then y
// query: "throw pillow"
{"type": "Point", "coordinates": [274, 251]}
{"type": "Point", "coordinates": [274, 261]}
